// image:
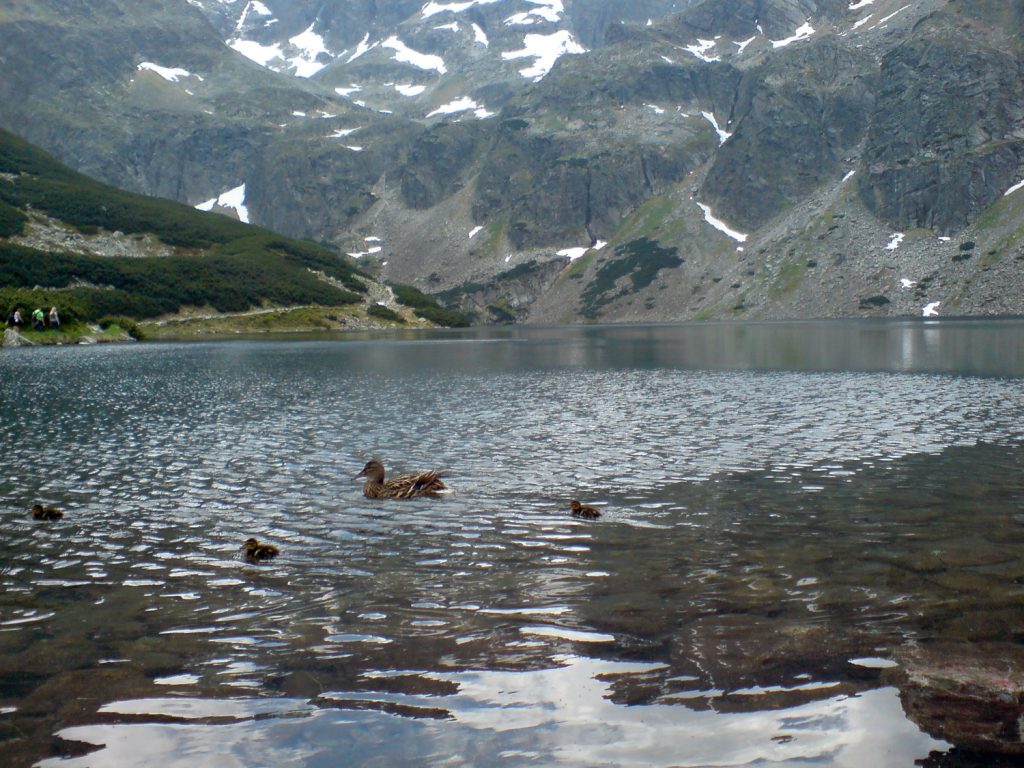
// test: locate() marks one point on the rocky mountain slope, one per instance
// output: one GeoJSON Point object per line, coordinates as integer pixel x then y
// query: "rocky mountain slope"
{"type": "Point", "coordinates": [550, 161]}
{"type": "Point", "coordinates": [98, 252]}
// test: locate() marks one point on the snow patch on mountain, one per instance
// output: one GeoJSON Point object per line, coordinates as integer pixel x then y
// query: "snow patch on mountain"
{"type": "Point", "coordinates": [233, 199]}
{"type": "Point", "coordinates": [407, 55]}
{"type": "Point", "coordinates": [253, 8]}
{"type": "Point", "coordinates": [885, 19]}
{"type": "Point", "coordinates": [549, 10]}
{"type": "Point", "coordinates": [171, 74]}
{"type": "Point", "coordinates": [723, 135]}
{"type": "Point", "coordinates": [744, 43]}
{"type": "Point", "coordinates": [368, 252]}
{"type": "Point", "coordinates": [700, 50]}
{"type": "Point", "coordinates": [463, 104]}
{"type": "Point", "coordinates": [720, 225]}
{"type": "Point", "coordinates": [803, 32]}
{"type": "Point", "coordinates": [573, 253]}
{"type": "Point", "coordinates": [301, 55]}
{"type": "Point", "coordinates": [410, 90]}
{"type": "Point", "coordinates": [261, 54]}
{"type": "Point", "coordinates": [433, 8]}
{"type": "Point", "coordinates": [545, 50]}
{"type": "Point", "coordinates": [894, 241]}
{"type": "Point", "coordinates": [480, 36]}
{"type": "Point", "coordinates": [311, 46]}
{"type": "Point", "coordinates": [363, 47]}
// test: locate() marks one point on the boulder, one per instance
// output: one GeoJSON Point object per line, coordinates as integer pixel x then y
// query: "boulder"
{"type": "Point", "coordinates": [969, 694]}
{"type": "Point", "coordinates": [14, 339]}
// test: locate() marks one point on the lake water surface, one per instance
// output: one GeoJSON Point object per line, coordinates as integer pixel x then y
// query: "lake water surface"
{"type": "Point", "coordinates": [787, 507]}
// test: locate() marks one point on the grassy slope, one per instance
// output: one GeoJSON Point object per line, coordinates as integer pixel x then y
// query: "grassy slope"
{"type": "Point", "coordinates": [219, 262]}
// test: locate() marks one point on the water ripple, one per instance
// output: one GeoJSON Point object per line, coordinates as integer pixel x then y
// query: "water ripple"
{"type": "Point", "coordinates": [740, 509]}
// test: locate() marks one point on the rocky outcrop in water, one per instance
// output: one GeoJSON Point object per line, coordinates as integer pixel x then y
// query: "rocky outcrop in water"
{"type": "Point", "coordinates": [971, 695]}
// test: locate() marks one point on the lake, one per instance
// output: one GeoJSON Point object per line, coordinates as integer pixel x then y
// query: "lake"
{"type": "Point", "coordinates": [789, 510]}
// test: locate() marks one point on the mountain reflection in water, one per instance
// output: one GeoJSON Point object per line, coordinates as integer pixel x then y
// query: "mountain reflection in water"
{"type": "Point", "coordinates": [780, 522]}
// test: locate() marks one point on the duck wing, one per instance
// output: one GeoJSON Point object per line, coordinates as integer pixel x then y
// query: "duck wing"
{"type": "Point", "coordinates": [409, 486]}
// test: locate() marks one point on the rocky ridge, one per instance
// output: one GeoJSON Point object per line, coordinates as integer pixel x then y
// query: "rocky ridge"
{"type": "Point", "coordinates": [803, 157]}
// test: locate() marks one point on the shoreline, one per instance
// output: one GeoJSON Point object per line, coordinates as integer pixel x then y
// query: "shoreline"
{"type": "Point", "coordinates": [72, 335]}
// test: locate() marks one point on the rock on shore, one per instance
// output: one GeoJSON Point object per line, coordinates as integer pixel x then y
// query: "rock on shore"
{"type": "Point", "coordinates": [14, 339]}
{"type": "Point", "coordinates": [970, 694]}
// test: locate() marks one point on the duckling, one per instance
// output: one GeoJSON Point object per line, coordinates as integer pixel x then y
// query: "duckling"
{"type": "Point", "coordinates": [257, 553]}
{"type": "Point", "coordinates": [403, 487]}
{"type": "Point", "coordinates": [46, 513]}
{"type": "Point", "coordinates": [584, 510]}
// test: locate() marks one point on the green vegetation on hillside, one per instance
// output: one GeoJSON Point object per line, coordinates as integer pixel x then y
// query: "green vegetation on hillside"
{"type": "Point", "coordinates": [12, 220]}
{"type": "Point", "coordinates": [640, 260]}
{"type": "Point", "coordinates": [375, 310]}
{"type": "Point", "coordinates": [428, 308]}
{"type": "Point", "coordinates": [222, 263]}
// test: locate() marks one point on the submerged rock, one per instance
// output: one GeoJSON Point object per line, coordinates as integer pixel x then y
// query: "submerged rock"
{"type": "Point", "coordinates": [969, 694]}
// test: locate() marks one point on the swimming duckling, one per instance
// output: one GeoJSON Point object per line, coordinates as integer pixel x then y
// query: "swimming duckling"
{"type": "Point", "coordinates": [402, 487]}
{"type": "Point", "coordinates": [257, 553]}
{"type": "Point", "coordinates": [46, 513]}
{"type": "Point", "coordinates": [584, 510]}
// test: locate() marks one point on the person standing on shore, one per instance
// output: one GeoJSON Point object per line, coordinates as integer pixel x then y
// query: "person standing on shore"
{"type": "Point", "coordinates": [54, 319]}
{"type": "Point", "coordinates": [38, 319]}
{"type": "Point", "coordinates": [15, 320]}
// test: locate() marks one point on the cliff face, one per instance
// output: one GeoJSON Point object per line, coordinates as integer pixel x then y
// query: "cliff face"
{"type": "Point", "coordinates": [946, 136]}
{"type": "Point", "coordinates": [778, 145]}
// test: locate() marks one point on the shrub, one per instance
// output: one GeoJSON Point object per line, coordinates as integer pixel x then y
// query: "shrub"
{"type": "Point", "coordinates": [874, 301]}
{"type": "Point", "coordinates": [449, 318]}
{"type": "Point", "coordinates": [126, 324]}
{"type": "Point", "coordinates": [12, 220]}
{"type": "Point", "coordinates": [640, 259]}
{"type": "Point", "coordinates": [427, 307]}
{"type": "Point", "coordinates": [376, 310]}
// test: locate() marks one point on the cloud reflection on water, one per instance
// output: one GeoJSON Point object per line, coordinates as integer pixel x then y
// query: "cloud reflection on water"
{"type": "Point", "coordinates": [563, 715]}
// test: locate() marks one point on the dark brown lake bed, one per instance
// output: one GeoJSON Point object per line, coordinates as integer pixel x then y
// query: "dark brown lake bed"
{"type": "Point", "coordinates": [806, 532]}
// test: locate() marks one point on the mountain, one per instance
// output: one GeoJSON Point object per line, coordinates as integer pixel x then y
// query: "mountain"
{"type": "Point", "coordinates": [550, 161]}
{"type": "Point", "coordinates": [96, 251]}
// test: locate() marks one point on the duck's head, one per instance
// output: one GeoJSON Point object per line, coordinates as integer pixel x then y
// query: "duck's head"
{"type": "Point", "coordinates": [37, 509]}
{"type": "Point", "coordinates": [373, 470]}
{"type": "Point", "coordinates": [575, 505]}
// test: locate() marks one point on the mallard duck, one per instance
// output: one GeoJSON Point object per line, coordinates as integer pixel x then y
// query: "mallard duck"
{"type": "Point", "coordinates": [39, 512]}
{"type": "Point", "coordinates": [583, 510]}
{"type": "Point", "coordinates": [257, 553]}
{"type": "Point", "coordinates": [403, 487]}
